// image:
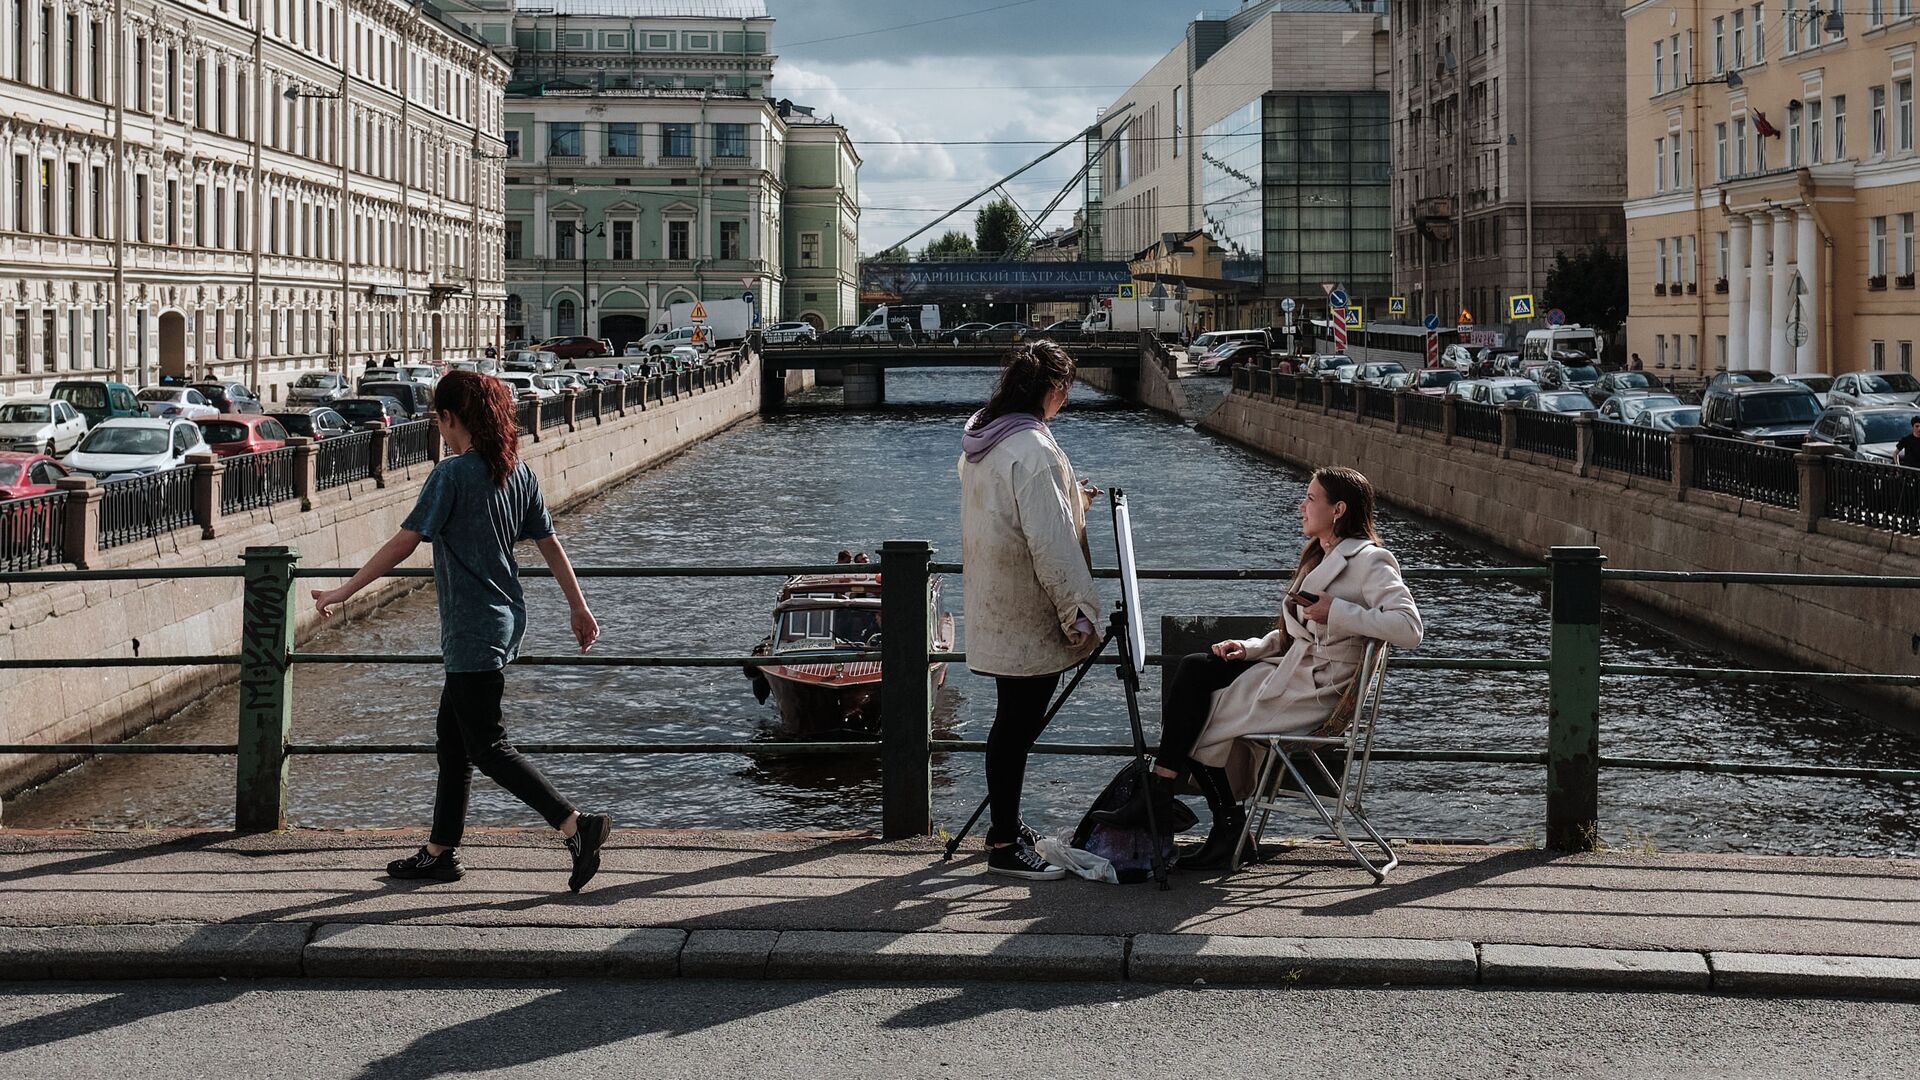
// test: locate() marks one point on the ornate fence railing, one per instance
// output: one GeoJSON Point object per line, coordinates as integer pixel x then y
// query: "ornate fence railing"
{"type": "Point", "coordinates": [1552, 434]}
{"type": "Point", "coordinates": [33, 531]}
{"type": "Point", "coordinates": [1472, 420]}
{"type": "Point", "coordinates": [410, 443]}
{"type": "Point", "coordinates": [343, 459]}
{"type": "Point", "coordinates": [255, 481]}
{"type": "Point", "coordinates": [1631, 449]}
{"type": "Point", "coordinates": [142, 506]}
{"type": "Point", "coordinates": [1424, 412]}
{"type": "Point", "coordinates": [1748, 470]}
{"type": "Point", "coordinates": [1875, 495]}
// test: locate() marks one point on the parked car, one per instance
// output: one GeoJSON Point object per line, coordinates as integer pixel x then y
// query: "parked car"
{"type": "Point", "coordinates": [1432, 382]}
{"type": "Point", "coordinates": [230, 397]}
{"type": "Point", "coordinates": [1230, 354]}
{"type": "Point", "coordinates": [1002, 333]}
{"type": "Point", "coordinates": [838, 335]}
{"type": "Point", "coordinates": [953, 335]}
{"type": "Point", "coordinates": [133, 446]}
{"type": "Point", "coordinates": [1558, 401]}
{"type": "Point", "coordinates": [1458, 357]}
{"type": "Point", "coordinates": [1668, 417]}
{"type": "Point", "coordinates": [318, 388]}
{"type": "Point", "coordinates": [1399, 380]}
{"type": "Point", "coordinates": [424, 374]}
{"type": "Point", "coordinates": [1613, 382]}
{"type": "Point", "coordinates": [1738, 377]}
{"type": "Point", "coordinates": [1778, 413]}
{"type": "Point", "coordinates": [233, 434]}
{"type": "Point", "coordinates": [633, 348]}
{"type": "Point", "coordinates": [1579, 372]}
{"type": "Point", "coordinates": [183, 401]}
{"type": "Point", "coordinates": [1874, 388]}
{"type": "Point", "coordinates": [98, 401]}
{"type": "Point", "coordinates": [1325, 363]}
{"type": "Point", "coordinates": [568, 347]}
{"type": "Point", "coordinates": [560, 382]}
{"type": "Point", "coordinates": [1063, 330]}
{"type": "Point", "coordinates": [789, 333]}
{"type": "Point", "coordinates": [1546, 373]}
{"type": "Point", "coordinates": [673, 339]}
{"type": "Point", "coordinates": [1375, 371]}
{"type": "Point", "coordinates": [1205, 343]}
{"type": "Point", "coordinates": [1503, 390]}
{"type": "Point", "coordinates": [24, 475]}
{"type": "Point", "coordinates": [380, 373]}
{"type": "Point", "coordinates": [525, 386]}
{"type": "Point", "coordinates": [1821, 385]}
{"type": "Point", "coordinates": [36, 424]}
{"type": "Point", "coordinates": [534, 360]}
{"type": "Point", "coordinates": [367, 412]}
{"type": "Point", "coordinates": [318, 423]}
{"type": "Point", "coordinates": [416, 401]}
{"type": "Point", "coordinates": [1627, 405]}
{"type": "Point", "coordinates": [684, 356]}
{"type": "Point", "coordinates": [1463, 388]}
{"type": "Point", "coordinates": [1867, 432]}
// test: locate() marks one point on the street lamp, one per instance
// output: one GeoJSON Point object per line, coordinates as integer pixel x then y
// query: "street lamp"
{"type": "Point", "coordinates": [585, 231]}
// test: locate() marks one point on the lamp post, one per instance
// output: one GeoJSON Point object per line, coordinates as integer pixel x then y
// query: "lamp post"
{"type": "Point", "coordinates": [586, 231]}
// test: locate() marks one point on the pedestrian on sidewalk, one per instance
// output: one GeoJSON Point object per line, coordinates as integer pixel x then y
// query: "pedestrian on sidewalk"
{"type": "Point", "coordinates": [1907, 450]}
{"type": "Point", "coordinates": [475, 505]}
{"type": "Point", "coordinates": [1346, 591]}
{"type": "Point", "coordinates": [1030, 599]}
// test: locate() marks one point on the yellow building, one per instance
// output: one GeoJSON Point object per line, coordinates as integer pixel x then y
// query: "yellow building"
{"type": "Point", "coordinates": [1772, 184]}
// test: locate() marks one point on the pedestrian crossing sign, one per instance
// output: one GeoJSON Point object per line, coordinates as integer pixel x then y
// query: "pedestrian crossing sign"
{"type": "Point", "coordinates": [699, 311]}
{"type": "Point", "coordinates": [1396, 305]}
{"type": "Point", "coordinates": [1520, 306]}
{"type": "Point", "coordinates": [1352, 317]}
{"type": "Point", "coordinates": [1126, 291]}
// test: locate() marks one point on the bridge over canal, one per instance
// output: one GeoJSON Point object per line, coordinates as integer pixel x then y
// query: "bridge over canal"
{"type": "Point", "coordinates": [864, 365]}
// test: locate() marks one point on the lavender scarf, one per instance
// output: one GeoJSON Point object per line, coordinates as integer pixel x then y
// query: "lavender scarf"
{"type": "Point", "coordinates": [977, 441]}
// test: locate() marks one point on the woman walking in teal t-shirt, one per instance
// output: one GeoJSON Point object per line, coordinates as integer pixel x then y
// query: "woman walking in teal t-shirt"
{"type": "Point", "coordinates": [475, 505]}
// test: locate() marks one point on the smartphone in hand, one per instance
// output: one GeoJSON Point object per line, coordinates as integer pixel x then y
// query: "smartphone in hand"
{"type": "Point", "coordinates": [1305, 599]}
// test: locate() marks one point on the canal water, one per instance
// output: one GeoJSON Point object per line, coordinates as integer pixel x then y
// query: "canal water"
{"type": "Point", "coordinates": [801, 486]}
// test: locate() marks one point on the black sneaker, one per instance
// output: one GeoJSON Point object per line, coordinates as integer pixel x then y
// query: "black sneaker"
{"type": "Point", "coordinates": [1028, 835]}
{"type": "Point", "coordinates": [590, 832]}
{"type": "Point", "coordinates": [1019, 860]}
{"type": "Point", "coordinates": [422, 865]}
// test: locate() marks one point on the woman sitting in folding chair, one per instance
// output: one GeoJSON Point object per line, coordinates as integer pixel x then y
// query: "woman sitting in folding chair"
{"type": "Point", "coordinates": [1295, 680]}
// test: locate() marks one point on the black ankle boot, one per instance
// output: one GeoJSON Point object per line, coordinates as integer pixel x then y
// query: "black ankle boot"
{"type": "Point", "coordinates": [1229, 821]}
{"type": "Point", "coordinates": [1133, 812]}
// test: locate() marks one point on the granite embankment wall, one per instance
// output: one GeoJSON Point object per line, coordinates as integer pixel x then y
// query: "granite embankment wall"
{"type": "Point", "coordinates": [1153, 385]}
{"type": "Point", "coordinates": [343, 527]}
{"type": "Point", "coordinates": [1528, 503]}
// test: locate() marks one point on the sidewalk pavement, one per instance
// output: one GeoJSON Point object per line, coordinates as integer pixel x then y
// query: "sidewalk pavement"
{"type": "Point", "coordinates": [756, 905]}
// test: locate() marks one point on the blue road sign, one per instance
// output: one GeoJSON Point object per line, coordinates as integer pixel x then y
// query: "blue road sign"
{"type": "Point", "coordinates": [1432, 321]}
{"type": "Point", "coordinates": [747, 296]}
{"type": "Point", "coordinates": [1339, 298]}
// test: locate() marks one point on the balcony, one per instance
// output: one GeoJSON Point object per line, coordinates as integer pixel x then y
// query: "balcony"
{"type": "Point", "coordinates": [1433, 208]}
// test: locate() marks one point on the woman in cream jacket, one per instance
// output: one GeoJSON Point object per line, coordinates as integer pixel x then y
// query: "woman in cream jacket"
{"type": "Point", "coordinates": [1030, 602]}
{"type": "Point", "coordinates": [1346, 592]}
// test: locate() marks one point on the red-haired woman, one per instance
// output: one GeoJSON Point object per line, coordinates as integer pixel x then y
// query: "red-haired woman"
{"type": "Point", "coordinates": [475, 505]}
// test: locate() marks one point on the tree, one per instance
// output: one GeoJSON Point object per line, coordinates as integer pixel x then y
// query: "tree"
{"type": "Point", "coordinates": [895, 253]}
{"type": "Point", "coordinates": [954, 242]}
{"type": "Point", "coordinates": [1591, 287]}
{"type": "Point", "coordinates": [998, 229]}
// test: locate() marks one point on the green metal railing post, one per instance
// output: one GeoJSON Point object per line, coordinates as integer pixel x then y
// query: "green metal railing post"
{"type": "Point", "coordinates": [1573, 690]}
{"type": "Point", "coordinates": [266, 689]}
{"type": "Point", "coordinates": [906, 690]}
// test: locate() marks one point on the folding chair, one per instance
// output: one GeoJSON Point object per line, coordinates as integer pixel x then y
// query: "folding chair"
{"type": "Point", "coordinates": [1281, 754]}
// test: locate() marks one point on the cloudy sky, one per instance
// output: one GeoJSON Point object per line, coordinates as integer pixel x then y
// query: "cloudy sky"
{"type": "Point", "coordinates": [1010, 77]}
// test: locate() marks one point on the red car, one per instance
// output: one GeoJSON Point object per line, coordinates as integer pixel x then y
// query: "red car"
{"type": "Point", "coordinates": [233, 434]}
{"type": "Point", "coordinates": [22, 475]}
{"type": "Point", "coordinates": [577, 348]}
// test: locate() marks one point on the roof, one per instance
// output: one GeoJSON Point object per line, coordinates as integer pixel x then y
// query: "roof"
{"type": "Point", "coordinates": [652, 9]}
{"type": "Point", "coordinates": [30, 399]}
{"type": "Point", "coordinates": [141, 422]}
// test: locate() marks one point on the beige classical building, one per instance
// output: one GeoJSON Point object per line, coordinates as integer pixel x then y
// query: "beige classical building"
{"type": "Point", "coordinates": [1772, 184]}
{"type": "Point", "coordinates": [244, 187]}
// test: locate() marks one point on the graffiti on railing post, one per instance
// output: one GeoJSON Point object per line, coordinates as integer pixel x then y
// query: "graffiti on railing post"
{"type": "Point", "coordinates": [1573, 693]}
{"type": "Point", "coordinates": [906, 690]}
{"type": "Point", "coordinates": [266, 690]}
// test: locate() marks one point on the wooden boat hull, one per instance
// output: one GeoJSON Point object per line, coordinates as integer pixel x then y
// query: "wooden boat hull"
{"type": "Point", "coordinates": [825, 700]}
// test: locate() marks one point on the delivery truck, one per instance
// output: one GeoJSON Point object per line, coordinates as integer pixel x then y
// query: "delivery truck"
{"type": "Point", "coordinates": [1165, 318]}
{"type": "Point", "coordinates": [900, 322]}
{"type": "Point", "coordinates": [727, 320]}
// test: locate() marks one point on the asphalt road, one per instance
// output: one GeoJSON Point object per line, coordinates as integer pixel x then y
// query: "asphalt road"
{"type": "Point", "coordinates": [792, 1030]}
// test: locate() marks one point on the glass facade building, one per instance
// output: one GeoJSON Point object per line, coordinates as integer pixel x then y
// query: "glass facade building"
{"type": "Point", "coordinates": [1296, 191]}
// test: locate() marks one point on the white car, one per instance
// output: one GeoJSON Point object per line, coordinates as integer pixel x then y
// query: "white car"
{"type": "Point", "coordinates": [318, 388]}
{"type": "Point", "coordinates": [183, 401]}
{"type": "Point", "coordinates": [685, 356]}
{"type": "Point", "coordinates": [424, 374]}
{"type": "Point", "coordinates": [789, 333]}
{"type": "Point", "coordinates": [661, 344]}
{"type": "Point", "coordinates": [33, 425]}
{"type": "Point", "coordinates": [634, 348]}
{"type": "Point", "coordinates": [524, 385]}
{"type": "Point", "coordinates": [130, 446]}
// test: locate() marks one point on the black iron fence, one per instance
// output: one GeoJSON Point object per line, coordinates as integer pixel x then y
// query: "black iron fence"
{"type": "Point", "coordinates": [1377, 402]}
{"type": "Point", "coordinates": [1425, 412]}
{"type": "Point", "coordinates": [1552, 434]}
{"type": "Point", "coordinates": [1472, 420]}
{"type": "Point", "coordinates": [527, 416]}
{"type": "Point", "coordinates": [1631, 449]}
{"type": "Point", "coordinates": [1339, 395]}
{"type": "Point", "coordinates": [1875, 495]}
{"type": "Point", "coordinates": [139, 507]}
{"type": "Point", "coordinates": [33, 531]}
{"type": "Point", "coordinates": [410, 443]}
{"type": "Point", "coordinates": [253, 481]}
{"type": "Point", "coordinates": [343, 459]}
{"type": "Point", "coordinates": [553, 412]}
{"type": "Point", "coordinates": [1748, 470]}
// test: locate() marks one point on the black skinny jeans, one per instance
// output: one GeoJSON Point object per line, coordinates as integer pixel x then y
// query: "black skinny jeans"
{"type": "Point", "coordinates": [470, 733]}
{"type": "Point", "coordinates": [1189, 701]}
{"type": "Point", "coordinates": [1017, 718]}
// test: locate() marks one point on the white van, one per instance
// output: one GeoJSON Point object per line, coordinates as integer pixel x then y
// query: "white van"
{"type": "Point", "coordinates": [1213, 339]}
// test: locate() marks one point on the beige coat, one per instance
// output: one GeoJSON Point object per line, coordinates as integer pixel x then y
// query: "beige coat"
{"type": "Point", "coordinates": [1023, 536]}
{"type": "Point", "coordinates": [1294, 691]}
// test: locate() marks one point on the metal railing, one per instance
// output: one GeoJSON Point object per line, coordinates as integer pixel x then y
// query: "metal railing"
{"type": "Point", "coordinates": [1574, 665]}
{"type": "Point", "coordinates": [553, 412]}
{"type": "Point", "coordinates": [33, 531]}
{"type": "Point", "coordinates": [144, 506]}
{"type": "Point", "coordinates": [343, 459]}
{"type": "Point", "coordinates": [1472, 420]}
{"type": "Point", "coordinates": [256, 481]}
{"type": "Point", "coordinates": [1875, 495]}
{"type": "Point", "coordinates": [1376, 402]}
{"type": "Point", "coordinates": [1628, 448]}
{"type": "Point", "coordinates": [1339, 395]}
{"type": "Point", "coordinates": [1552, 434]}
{"type": "Point", "coordinates": [527, 417]}
{"type": "Point", "coordinates": [1748, 470]}
{"type": "Point", "coordinates": [1424, 412]}
{"type": "Point", "coordinates": [410, 443]}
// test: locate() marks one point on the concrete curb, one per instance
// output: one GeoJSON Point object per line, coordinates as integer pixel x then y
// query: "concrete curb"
{"type": "Point", "coordinates": [427, 951]}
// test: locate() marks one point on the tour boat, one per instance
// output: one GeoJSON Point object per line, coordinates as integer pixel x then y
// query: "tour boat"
{"type": "Point", "coordinates": [818, 620]}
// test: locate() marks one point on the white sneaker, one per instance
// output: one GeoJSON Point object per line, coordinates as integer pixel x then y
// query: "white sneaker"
{"type": "Point", "coordinates": [1021, 861]}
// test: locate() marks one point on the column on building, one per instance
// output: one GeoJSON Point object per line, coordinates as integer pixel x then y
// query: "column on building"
{"type": "Point", "coordinates": [1759, 296]}
{"type": "Point", "coordinates": [1737, 290]}
{"type": "Point", "coordinates": [1780, 351]}
{"type": "Point", "coordinates": [1806, 251]}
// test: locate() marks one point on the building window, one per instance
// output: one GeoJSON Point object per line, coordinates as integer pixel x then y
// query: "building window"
{"type": "Point", "coordinates": [623, 140]}
{"type": "Point", "coordinates": [1739, 145]}
{"type": "Point", "coordinates": [73, 199]}
{"type": "Point", "coordinates": [1877, 356]}
{"type": "Point", "coordinates": [1903, 112]}
{"type": "Point", "coordinates": [141, 220]}
{"type": "Point", "coordinates": [565, 319]}
{"type": "Point", "coordinates": [1719, 45]}
{"type": "Point", "coordinates": [623, 239]}
{"type": "Point", "coordinates": [513, 143]}
{"type": "Point", "coordinates": [1719, 151]}
{"type": "Point", "coordinates": [1906, 356]}
{"type": "Point", "coordinates": [1840, 127]}
{"type": "Point", "coordinates": [730, 140]}
{"type": "Point", "coordinates": [679, 240]}
{"type": "Point", "coordinates": [1759, 33]}
{"type": "Point", "coordinates": [676, 140]}
{"type": "Point", "coordinates": [1722, 256]}
{"type": "Point", "coordinates": [1796, 136]}
{"type": "Point", "coordinates": [1877, 120]}
{"type": "Point", "coordinates": [1903, 246]}
{"type": "Point", "coordinates": [1815, 113]}
{"type": "Point", "coordinates": [1673, 151]}
{"type": "Point", "coordinates": [1877, 248]}
{"type": "Point", "coordinates": [1659, 164]}
{"type": "Point", "coordinates": [1876, 12]}
{"type": "Point", "coordinates": [809, 249]}
{"type": "Point", "coordinates": [1660, 261]}
{"type": "Point", "coordinates": [516, 240]}
{"type": "Point", "coordinates": [47, 220]}
{"type": "Point", "coordinates": [563, 139]}
{"type": "Point", "coordinates": [1659, 67]}
{"type": "Point", "coordinates": [1739, 38]}
{"type": "Point", "coordinates": [1720, 352]}
{"type": "Point", "coordinates": [563, 240]}
{"type": "Point", "coordinates": [99, 201]}
{"type": "Point", "coordinates": [730, 240]}
{"type": "Point", "coordinates": [22, 344]}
